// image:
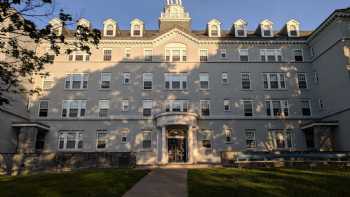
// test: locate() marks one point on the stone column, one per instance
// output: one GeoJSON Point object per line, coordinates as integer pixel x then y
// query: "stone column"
{"type": "Point", "coordinates": [190, 144]}
{"type": "Point", "coordinates": [164, 151]}
{"type": "Point", "coordinates": [27, 139]}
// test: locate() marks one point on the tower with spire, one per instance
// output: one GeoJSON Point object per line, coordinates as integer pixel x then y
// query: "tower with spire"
{"type": "Point", "coordinates": [174, 15]}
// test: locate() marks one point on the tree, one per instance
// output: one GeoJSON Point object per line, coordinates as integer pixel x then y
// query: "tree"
{"type": "Point", "coordinates": [20, 38]}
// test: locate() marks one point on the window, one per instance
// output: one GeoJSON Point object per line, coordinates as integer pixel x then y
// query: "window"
{"type": "Point", "coordinates": [223, 54]}
{"type": "Point", "coordinates": [316, 77]}
{"type": "Point", "coordinates": [126, 78]}
{"type": "Point", "coordinates": [146, 140]}
{"type": "Point", "coordinates": [106, 80]}
{"type": "Point", "coordinates": [240, 30]}
{"type": "Point", "coordinates": [205, 137]}
{"type": "Point", "coordinates": [321, 104]}
{"type": "Point", "coordinates": [282, 139]}
{"type": "Point", "coordinates": [109, 30]}
{"type": "Point", "coordinates": [43, 108]}
{"type": "Point", "coordinates": [293, 31]}
{"type": "Point", "coordinates": [177, 54]}
{"type": "Point", "coordinates": [103, 106]}
{"type": "Point", "coordinates": [203, 53]}
{"type": "Point", "coordinates": [48, 82]}
{"type": "Point", "coordinates": [277, 108]}
{"type": "Point", "coordinates": [250, 138]}
{"type": "Point", "coordinates": [147, 81]}
{"type": "Point", "coordinates": [124, 137]}
{"type": "Point", "coordinates": [204, 81]}
{"type": "Point", "coordinates": [137, 30]}
{"type": "Point", "coordinates": [227, 105]}
{"type": "Point", "coordinates": [243, 55]}
{"type": "Point", "coordinates": [148, 55]}
{"type": "Point", "coordinates": [224, 78]}
{"type": "Point", "coordinates": [70, 140]}
{"type": "Point", "coordinates": [125, 105]}
{"type": "Point", "coordinates": [74, 108]}
{"type": "Point", "coordinates": [79, 57]}
{"type": "Point", "coordinates": [101, 140]}
{"type": "Point", "coordinates": [76, 81]}
{"type": "Point", "coordinates": [177, 106]}
{"type": "Point", "coordinates": [205, 107]}
{"type": "Point", "coordinates": [147, 107]}
{"type": "Point", "coordinates": [274, 80]}
{"type": "Point", "coordinates": [127, 53]}
{"type": "Point", "coordinates": [214, 31]}
{"type": "Point", "coordinates": [271, 55]}
{"type": "Point", "coordinates": [298, 55]}
{"type": "Point", "coordinates": [228, 135]}
{"type": "Point", "coordinates": [174, 81]}
{"type": "Point", "coordinates": [266, 30]}
{"type": "Point", "coordinates": [306, 108]}
{"type": "Point", "coordinates": [245, 81]}
{"type": "Point", "coordinates": [248, 108]}
{"type": "Point", "coordinates": [302, 81]}
{"type": "Point", "coordinates": [107, 54]}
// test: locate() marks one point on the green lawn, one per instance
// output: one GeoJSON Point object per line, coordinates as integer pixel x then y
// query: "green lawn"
{"type": "Point", "coordinates": [269, 182]}
{"type": "Point", "coordinates": [89, 183]}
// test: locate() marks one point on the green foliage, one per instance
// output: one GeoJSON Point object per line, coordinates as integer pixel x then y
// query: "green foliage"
{"type": "Point", "coordinates": [20, 37]}
{"type": "Point", "coordinates": [92, 183]}
{"type": "Point", "coordinates": [269, 182]}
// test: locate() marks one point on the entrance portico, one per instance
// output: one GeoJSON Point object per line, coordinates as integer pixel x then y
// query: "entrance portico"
{"type": "Point", "coordinates": [176, 140]}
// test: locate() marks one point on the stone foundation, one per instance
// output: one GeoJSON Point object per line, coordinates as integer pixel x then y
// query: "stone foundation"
{"type": "Point", "coordinates": [19, 164]}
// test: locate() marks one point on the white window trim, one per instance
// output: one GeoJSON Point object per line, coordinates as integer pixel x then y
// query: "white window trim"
{"type": "Point", "coordinates": [284, 133]}
{"type": "Point", "coordinates": [237, 29]}
{"type": "Point", "coordinates": [276, 52]}
{"type": "Point", "coordinates": [207, 54]}
{"type": "Point", "coordinates": [306, 80]}
{"type": "Point", "coordinates": [243, 52]}
{"type": "Point", "coordinates": [253, 139]}
{"type": "Point", "coordinates": [84, 54]}
{"type": "Point", "coordinates": [302, 54]}
{"type": "Point", "coordinates": [252, 105]}
{"type": "Point", "coordinates": [310, 106]}
{"type": "Point", "coordinates": [184, 104]}
{"type": "Point", "coordinates": [79, 109]}
{"type": "Point", "coordinates": [229, 105]}
{"type": "Point", "coordinates": [133, 28]}
{"type": "Point", "coordinates": [104, 54]}
{"type": "Point", "coordinates": [150, 133]}
{"type": "Point", "coordinates": [144, 54]}
{"type": "Point", "coordinates": [81, 81]}
{"type": "Point", "coordinates": [284, 105]}
{"type": "Point", "coordinates": [105, 29]}
{"type": "Point", "coordinates": [263, 33]}
{"type": "Point", "coordinates": [125, 101]}
{"type": "Point", "coordinates": [49, 79]}
{"type": "Point", "coordinates": [201, 106]}
{"type": "Point", "coordinates": [39, 108]}
{"type": "Point", "coordinates": [110, 80]}
{"type": "Point", "coordinates": [278, 81]}
{"type": "Point", "coordinates": [143, 81]}
{"type": "Point", "coordinates": [102, 132]}
{"type": "Point", "coordinates": [107, 108]}
{"type": "Point", "coordinates": [230, 135]}
{"type": "Point", "coordinates": [171, 77]}
{"type": "Point", "coordinates": [77, 139]}
{"type": "Point", "coordinates": [200, 87]}
{"type": "Point", "coordinates": [183, 53]}
{"type": "Point", "coordinates": [210, 132]}
{"type": "Point", "coordinates": [250, 81]}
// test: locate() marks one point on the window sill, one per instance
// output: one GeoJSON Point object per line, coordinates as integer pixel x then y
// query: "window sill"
{"type": "Point", "coordinates": [76, 89]}
{"type": "Point", "coordinates": [275, 89]}
{"type": "Point", "coordinates": [105, 89]}
{"type": "Point", "coordinates": [248, 90]}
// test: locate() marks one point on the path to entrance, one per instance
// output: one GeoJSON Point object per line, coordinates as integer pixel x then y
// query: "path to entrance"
{"type": "Point", "coordinates": [161, 182]}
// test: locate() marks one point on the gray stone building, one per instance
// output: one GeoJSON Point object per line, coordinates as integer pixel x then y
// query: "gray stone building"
{"type": "Point", "coordinates": [175, 95]}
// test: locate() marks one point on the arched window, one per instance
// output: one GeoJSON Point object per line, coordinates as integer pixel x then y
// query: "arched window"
{"type": "Point", "coordinates": [137, 30]}
{"type": "Point", "coordinates": [267, 30]}
{"type": "Point", "coordinates": [293, 30]}
{"type": "Point", "coordinates": [110, 30]}
{"type": "Point", "coordinates": [214, 30]}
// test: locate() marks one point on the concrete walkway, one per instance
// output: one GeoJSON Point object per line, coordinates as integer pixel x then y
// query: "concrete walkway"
{"type": "Point", "coordinates": [161, 183]}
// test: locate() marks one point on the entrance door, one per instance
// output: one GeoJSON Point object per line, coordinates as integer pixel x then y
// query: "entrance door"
{"type": "Point", "coordinates": [177, 145]}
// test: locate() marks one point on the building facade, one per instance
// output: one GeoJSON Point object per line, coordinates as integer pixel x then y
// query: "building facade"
{"type": "Point", "coordinates": [175, 95]}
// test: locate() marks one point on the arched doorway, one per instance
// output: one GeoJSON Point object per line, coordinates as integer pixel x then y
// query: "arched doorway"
{"type": "Point", "coordinates": [177, 144]}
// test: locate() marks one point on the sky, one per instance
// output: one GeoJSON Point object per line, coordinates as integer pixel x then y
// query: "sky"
{"type": "Point", "coordinates": [310, 13]}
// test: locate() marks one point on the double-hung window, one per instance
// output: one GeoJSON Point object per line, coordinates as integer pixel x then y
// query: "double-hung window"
{"type": "Point", "coordinates": [174, 81]}
{"type": "Point", "coordinates": [176, 54]}
{"type": "Point", "coordinates": [103, 106]}
{"type": "Point", "coordinates": [107, 55]}
{"type": "Point", "coordinates": [203, 55]}
{"type": "Point", "coordinates": [43, 108]}
{"type": "Point", "coordinates": [148, 55]}
{"type": "Point", "coordinates": [205, 137]}
{"type": "Point", "coordinates": [101, 140]}
{"type": "Point", "coordinates": [224, 78]}
{"type": "Point", "coordinates": [48, 82]}
{"type": "Point", "coordinates": [204, 81]}
{"type": "Point", "coordinates": [302, 80]}
{"type": "Point", "coordinates": [271, 55]}
{"type": "Point", "coordinates": [147, 81]}
{"type": "Point", "coordinates": [227, 105]}
{"type": "Point", "coordinates": [79, 57]}
{"type": "Point", "coordinates": [243, 55]}
{"type": "Point", "coordinates": [106, 80]}
{"type": "Point", "coordinates": [70, 140]}
{"type": "Point", "coordinates": [74, 108]}
{"type": "Point", "coordinates": [177, 106]}
{"type": "Point", "coordinates": [250, 138]}
{"type": "Point", "coordinates": [282, 139]}
{"type": "Point", "coordinates": [205, 107]}
{"type": "Point", "coordinates": [126, 78]}
{"type": "Point", "coordinates": [147, 107]}
{"type": "Point", "coordinates": [274, 80]}
{"type": "Point", "coordinates": [125, 105]}
{"type": "Point", "coordinates": [276, 108]}
{"type": "Point", "coordinates": [248, 108]}
{"type": "Point", "coordinates": [146, 140]}
{"type": "Point", "coordinates": [298, 55]}
{"type": "Point", "coordinates": [245, 77]}
{"type": "Point", "coordinates": [76, 81]}
{"type": "Point", "coordinates": [306, 107]}
{"type": "Point", "coordinates": [228, 135]}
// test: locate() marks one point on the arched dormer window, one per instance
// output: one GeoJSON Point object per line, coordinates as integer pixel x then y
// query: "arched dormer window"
{"type": "Point", "coordinates": [214, 29]}
{"type": "Point", "coordinates": [109, 27]}
{"type": "Point", "coordinates": [240, 28]}
{"type": "Point", "coordinates": [175, 52]}
{"type": "Point", "coordinates": [109, 30]}
{"type": "Point", "coordinates": [137, 28]}
{"type": "Point", "coordinates": [84, 23]}
{"type": "Point", "coordinates": [266, 28]}
{"type": "Point", "coordinates": [293, 28]}
{"type": "Point", "coordinates": [56, 26]}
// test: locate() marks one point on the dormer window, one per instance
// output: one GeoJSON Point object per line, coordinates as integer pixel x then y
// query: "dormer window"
{"type": "Point", "coordinates": [266, 28]}
{"type": "Point", "coordinates": [240, 32]}
{"type": "Point", "coordinates": [84, 23]}
{"type": "Point", "coordinates": [240, 29]}
{"type": "Point", "coordinates": [293, 28]}
{"type": "Point", "coordinates": [110, 30]}
{"type": "Point", "coordinates": [136, 28]}
{"type": "Point", "coordinates": [56, 26]}
{"type": "Point", "coordinates": [214, 29]}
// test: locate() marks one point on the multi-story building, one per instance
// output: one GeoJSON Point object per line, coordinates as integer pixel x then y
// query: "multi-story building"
{"type": "Point", "coordinates": [179, 95]}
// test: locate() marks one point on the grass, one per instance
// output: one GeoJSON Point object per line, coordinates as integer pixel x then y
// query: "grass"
{"type": "Point", "coordinates": [269, 182]}
{"type": "Point", "coordinates": [89, 183]}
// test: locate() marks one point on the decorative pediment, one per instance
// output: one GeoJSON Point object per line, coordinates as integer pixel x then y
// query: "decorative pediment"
{"type": "Point", "coordinates": [174, 33]}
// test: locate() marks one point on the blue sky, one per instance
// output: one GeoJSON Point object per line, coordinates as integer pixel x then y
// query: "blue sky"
{"type": "Point", "coordinates": [309, 12]}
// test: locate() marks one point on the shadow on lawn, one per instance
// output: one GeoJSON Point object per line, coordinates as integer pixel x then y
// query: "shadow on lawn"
{"type": "Point", "coordinates": [269, 182]}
